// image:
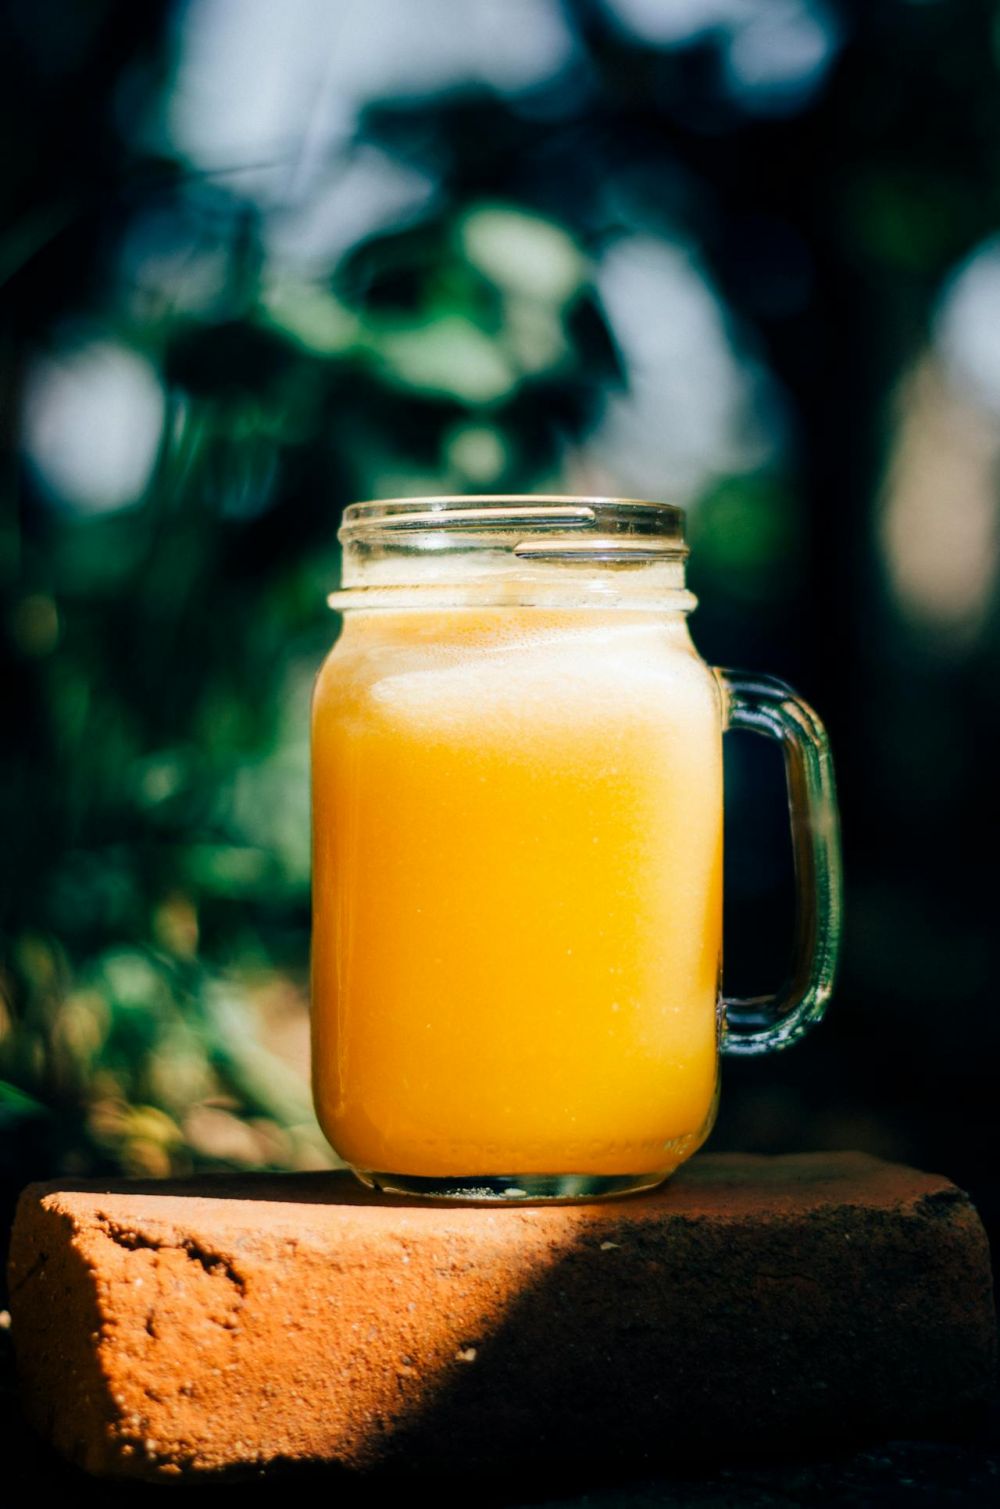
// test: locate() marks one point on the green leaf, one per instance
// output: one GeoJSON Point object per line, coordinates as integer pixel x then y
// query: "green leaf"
{"type": "Point", "coordinates": [16, 1106]}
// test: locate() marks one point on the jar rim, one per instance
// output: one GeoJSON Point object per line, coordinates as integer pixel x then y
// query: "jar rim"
{"type": "Point", "coordinates": [491, 519]}
{"type": "Point", "coordinates": [463, 537]}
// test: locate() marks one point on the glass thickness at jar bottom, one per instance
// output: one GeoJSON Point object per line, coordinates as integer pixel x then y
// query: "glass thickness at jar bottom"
{"type": "Point", "coordinates": [513, 1189]}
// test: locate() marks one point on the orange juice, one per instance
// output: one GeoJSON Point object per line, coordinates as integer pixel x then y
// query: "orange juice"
{"type": "Point", "coordinates": [517, 824]}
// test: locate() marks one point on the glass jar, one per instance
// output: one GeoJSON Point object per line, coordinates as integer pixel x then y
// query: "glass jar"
{"type": "Point", "coordinates": [517, 852]}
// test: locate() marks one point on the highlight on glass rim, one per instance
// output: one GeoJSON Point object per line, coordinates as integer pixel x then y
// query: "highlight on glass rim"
{"type": "Point", "coordinates": [499, 583]}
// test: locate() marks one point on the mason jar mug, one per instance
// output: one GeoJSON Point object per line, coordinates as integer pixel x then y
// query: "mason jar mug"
{"type": "Point", "coordinates": [517, 852]}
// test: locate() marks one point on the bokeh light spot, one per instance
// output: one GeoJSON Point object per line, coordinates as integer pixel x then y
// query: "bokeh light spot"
{"type": "Point", "coordinates": [523, 253]}
{"type": "Point", "coordinates": [93, 417]}
{"type": "Point", "coordinates": [967, 327]}
{"type": "Point", "coordinates": [692, 410]}
{"type": "Point", "coordinates": [477, 451]}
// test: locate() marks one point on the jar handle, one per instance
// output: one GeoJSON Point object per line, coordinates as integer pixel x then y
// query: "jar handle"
{"type": "Point", "coordinates": [767, 706]}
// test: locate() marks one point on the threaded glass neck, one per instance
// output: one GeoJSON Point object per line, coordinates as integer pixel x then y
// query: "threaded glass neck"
{"type": "Point", "coordinates": [502, 544]}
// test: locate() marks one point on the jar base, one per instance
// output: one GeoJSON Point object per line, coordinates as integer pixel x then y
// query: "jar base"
{"type": "Point", "coordinates": [512, 1189]}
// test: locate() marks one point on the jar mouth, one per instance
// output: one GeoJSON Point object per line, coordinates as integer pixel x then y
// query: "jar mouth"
{"type": "Point", "coordinates": [505, 512]}
{"type": "Point", "coordinates": [394, 540]}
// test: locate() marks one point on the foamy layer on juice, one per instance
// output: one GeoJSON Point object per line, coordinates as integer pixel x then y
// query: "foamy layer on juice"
{"type": "Point", "coordinates": [531, 681]}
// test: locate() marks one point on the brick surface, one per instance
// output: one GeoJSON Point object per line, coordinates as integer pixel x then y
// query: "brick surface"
{"type": "Point", "coordinates": [751, 1304]}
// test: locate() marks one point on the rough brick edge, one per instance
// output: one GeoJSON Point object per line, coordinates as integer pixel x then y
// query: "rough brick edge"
{"type": "Point", "coordinates": [43, 1267]}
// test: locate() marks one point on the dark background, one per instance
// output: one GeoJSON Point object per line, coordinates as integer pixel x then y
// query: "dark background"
{"type": "Point", "coordinates": [259, 260]}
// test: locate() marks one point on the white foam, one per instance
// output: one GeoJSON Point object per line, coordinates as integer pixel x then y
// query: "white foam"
{"type": "Point", "coordinates": [584, 676]}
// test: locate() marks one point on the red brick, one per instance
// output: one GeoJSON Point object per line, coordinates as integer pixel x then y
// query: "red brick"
{"type": "Point", "coordinates": [752, 1303]}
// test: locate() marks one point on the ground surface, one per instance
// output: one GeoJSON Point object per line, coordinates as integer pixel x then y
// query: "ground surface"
{"type": "Point", "coordinates": [905, 1473]}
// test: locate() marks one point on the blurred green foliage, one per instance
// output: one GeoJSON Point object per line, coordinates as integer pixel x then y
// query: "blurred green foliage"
{"type": "Point", "coordinates": [158, 656]}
